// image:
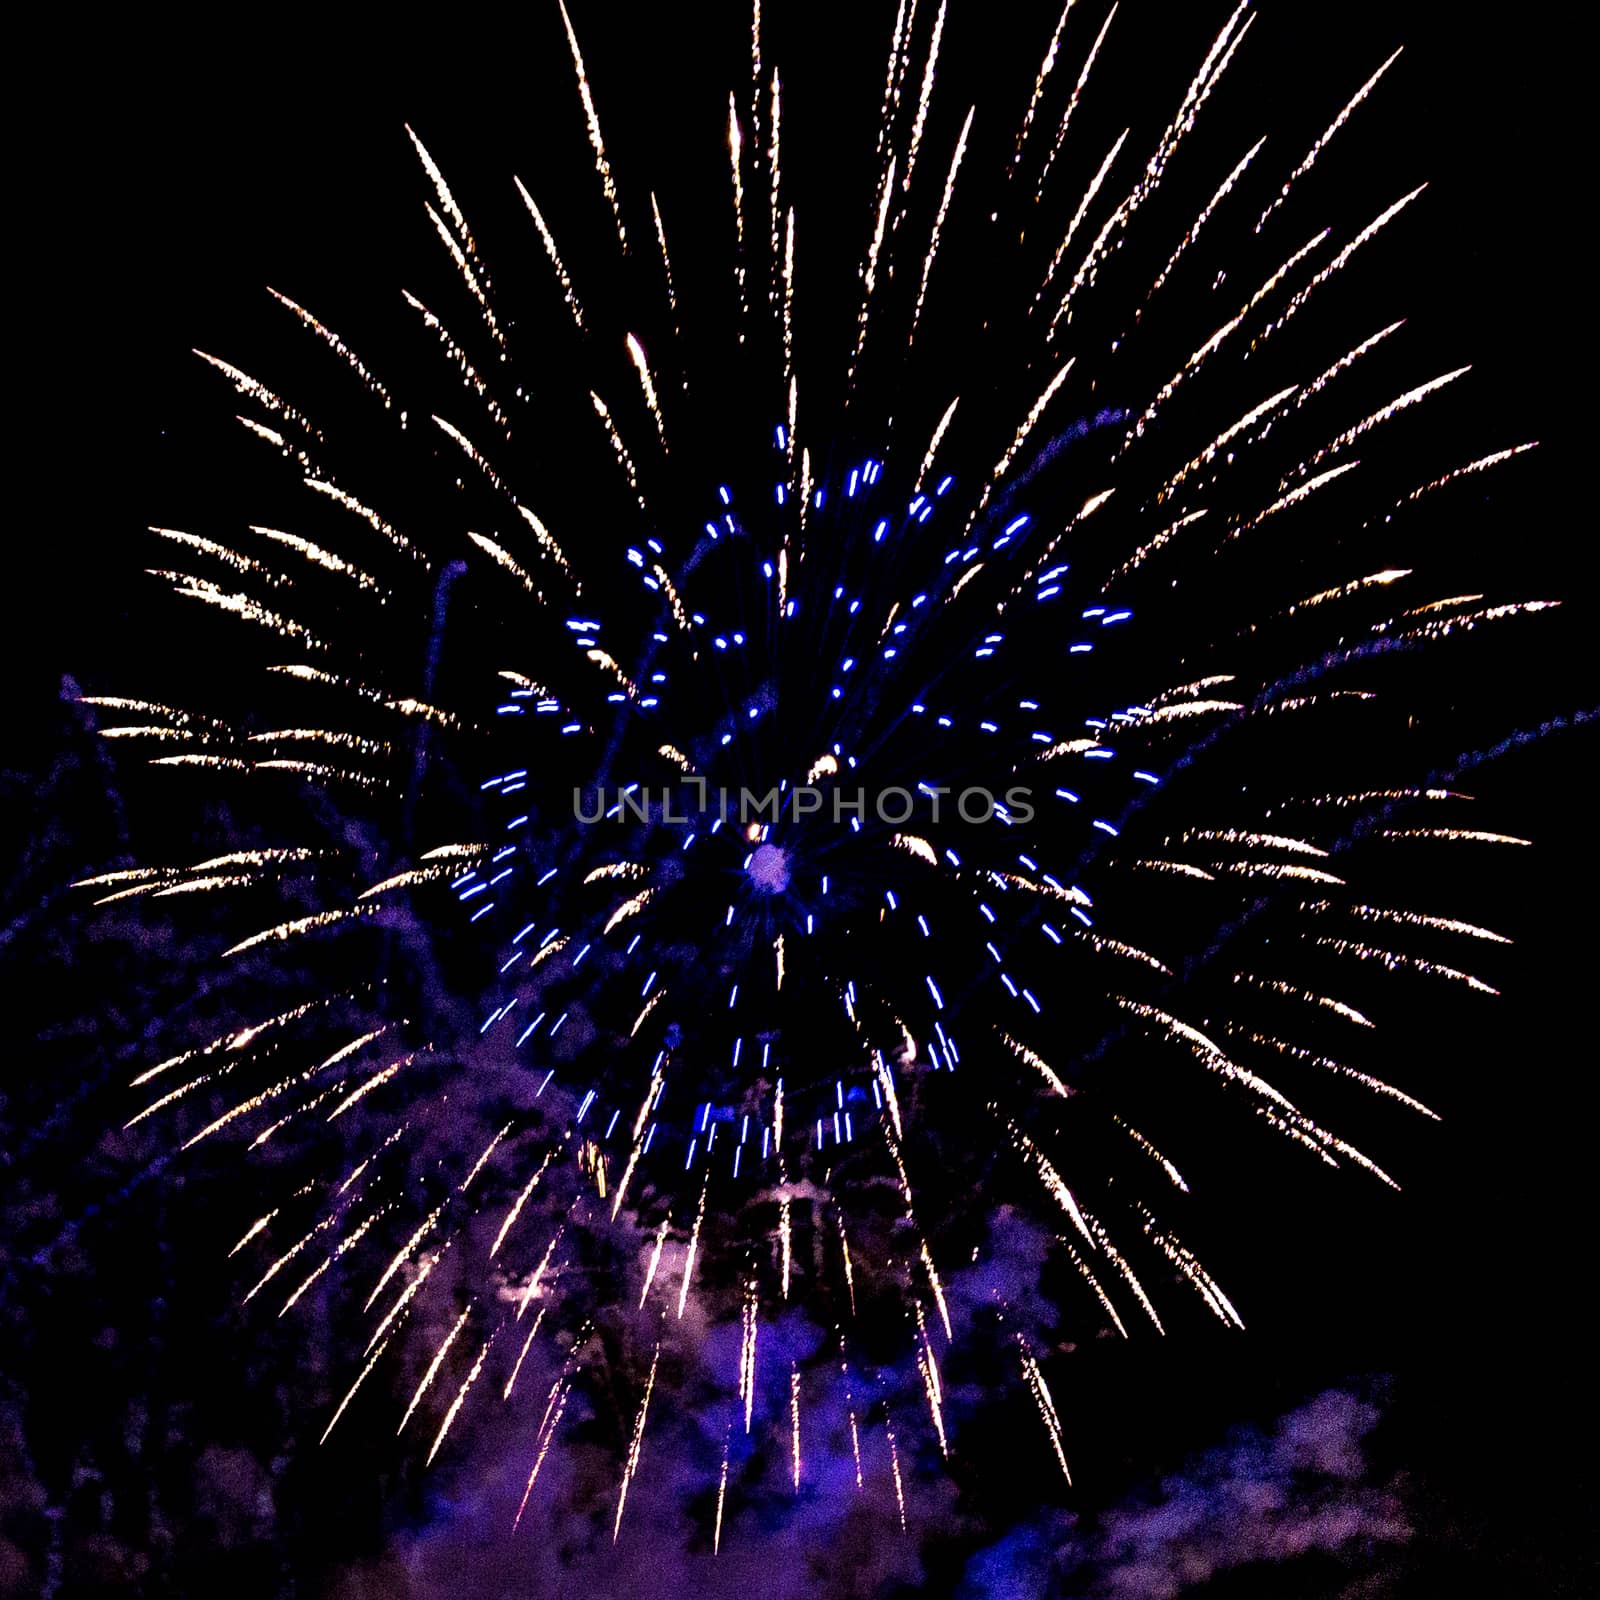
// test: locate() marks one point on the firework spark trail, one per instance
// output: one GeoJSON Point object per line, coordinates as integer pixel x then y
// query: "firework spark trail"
{"type": "Point", "coordinates": [1128, 952]}
{"type": "Point", "coordinates": [1182, 1258]}
{"type": "Point", "coordinates": [1211, 1054]}
{"type": "Point", "coordinates": [636, 1444]}
{"type": "Point", "coordinates": [628, 908]}
{"type": "Point", "coordinates": [1340, 261]}
{"type": "Point", "coordinates": [785, 1234]}
{"type": "Point", "coordinates": [894, 1468]}
{"type": "Point", "coordinates": [1045, 69]}
{"type": "Point", "coordinates": [289, 1255]}
{"type": "Point", "coordinates": [276, 440]}
{"type": "Point", "coordinates": [1482, 464]}
{"type": "Point", "coordinates": [646, 383]}
{"type": "Point", "coordinates": [241, 1038]}
{"type": "Point", "coordinates": [387, 531]}
{"type": "Point", "coordinates": [1087, 1273]}
{"type": "Point", "coordinates": [488, 1150]}
{"type": "Point", "coordinates": [328, 736]}
{"type": "Point", "coordinates": [433, 1366]}
{"type": "Point", "coordinates": [321, 1098]}
{"type": "Point", "coordinates": [243, 564]}
{"type": "Point", "coordinates": [1088, 509]}
{"type": "Point", "coordinates": [410, 878]}
{"type": "Point", "coordinates": [522, 1355]}
{"type": "Point", "coordinates": [458, 255]}
{"type": "Point", "coordinates": [1019, 438]}
{"type": "Point", "coordinates": [1204, 458]}
{"type": "Point", "coordinates": [694, 1245]}
{"type": "Point", "coordinates": [592, 118]}
{"type": "Point", "coordinates": [405, 707]}
{"type": "Point", "coordinates": [1224, 189]}
{"type": "Point", "coordinates": [1439, 628]}
{"type": "Point", "coordinates": [460, 1398]}
{"type": "Point", "coordinates": [722, 1495]}
{"type": "Point", "coordinates": [550, 548]}
{"type": "Point", "coordinates": [1253, 841]}
{"type": "Point", "coordinates": [1038, 1063]}
{"type": "Point", "coordinates": [735, 151]}
{"type": "Point", "coordinates": [1293, 991]}
{"type": "Point", "coordinates": [457, 239]}
{"type": "Point", "coordinates": [1366, 1080]}
{"type": "Point", "coordinates": [1103, 1240]}
{"type": "Point", "coordinates": [548, 1426]}
{"type": "Point", "coordinates": [338, 346]}
{"type": "Point", "coordinates": [794, 1421]}
{"type": "Point", "coordinates": [619, 449]}
{"type": "Point", "coordinates": [470, 375]}
{"type": "Point", "coordinates": [404, 1254]}
{"type": "Point", "coordinates": [320, 557]}
{"type": "Point", "coordinates": [184, 720]}
{"type": "Point", "coordinates": [1053, 1182]}
{"type": "Point", "coordinates": [446, 199]}
{"type": "Point", "coordinates": [899, 42]}
{"type": "Point", "coordinates": [921, 120]}
{"type": "Point", "coordinates": [1343, 591]}
{"type": "Point", "coordinates": [666, 269]}
{"type": "Point", "coordinates": [1333, 127]}
{"type": "Point", "coordinates": [568, 293]}
{"type": "Point", "coordinates": [1417, 919]}
{"type": "Point", "coordinates": [1396, 962]}
{"type": "Point", "coordinates": [1072, 104]}
{"type": "Point", "coordinates": [320, 771]}
{"type": "Point", "coordinates": [1083, 210]}
{"type": "Point", "coordinates": [1344, 363]}
{"type": "Point", "coordinates": [240, 605]}
{"type": "Point", "coordinates": [253, 1102]}
{"type": "Point", "coordinates": [933, 443]}
{"type": "Point", "coordinates": [933, 1389]}
{"type": "Point", "coordinates": [791, 386]}
{"type": "Point", "coordinates": [252, 389]}
{"type": "Point", "coordinates": [1200, 88]}
{"type": "Point", "coordinates": [869, 278]}
{"type": "Point", "coordinates": [531, 1293]}
{"type": "Point", "coordinates": [1205, 351]}
{"type": "Point", "coordinates": [474, 455]}
{"type": "Point", "coordinates": [655, 1259]}
{"type": "Point", "coordinates": [1367, 823]}
{"type": "Point", "coordinates": [410, 1292]}
{"type": "Point", "coordinates": [257, 1227]}
{"type": "Point", "coordinates": [637, 1149]}
{"type": "Point", "coordinates": [1040, 1391]}
{"type": "Point", "coordinates": [1284, 502]}
{"type": "Point", "coordinates": [849, 1270]}
{"type": "Point", "coordinates": [1155, 1155]}
{"type": "Point", "coordinates": [755, 65]}
{"type": "Point", "coordinates": [1382, 414]}
{"type": "Point", "coordinates": [747, 1351]}
{"type": "Point", "coordinates": [937, 1287]}
{"type": "Point", "coordinates": [775, 170]}
{"type": "Point", "coordinates": [350, 1393]}
{"type": "Point", "coordinates": [938, 225]}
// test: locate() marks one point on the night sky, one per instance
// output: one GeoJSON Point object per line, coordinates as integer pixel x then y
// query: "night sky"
{"type": "Point", "coordinates": [1409, 1412]}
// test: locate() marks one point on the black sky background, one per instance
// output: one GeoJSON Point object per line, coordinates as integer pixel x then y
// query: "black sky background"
{"type": "Point", "coordinates": [164, 169]}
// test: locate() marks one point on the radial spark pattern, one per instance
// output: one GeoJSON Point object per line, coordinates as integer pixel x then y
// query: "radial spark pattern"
{"type": "Point", "coordinates": [889, 791]}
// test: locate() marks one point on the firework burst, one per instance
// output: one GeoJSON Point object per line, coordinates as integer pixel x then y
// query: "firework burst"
{"type": "Point", "coordinates": [838, 805]}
